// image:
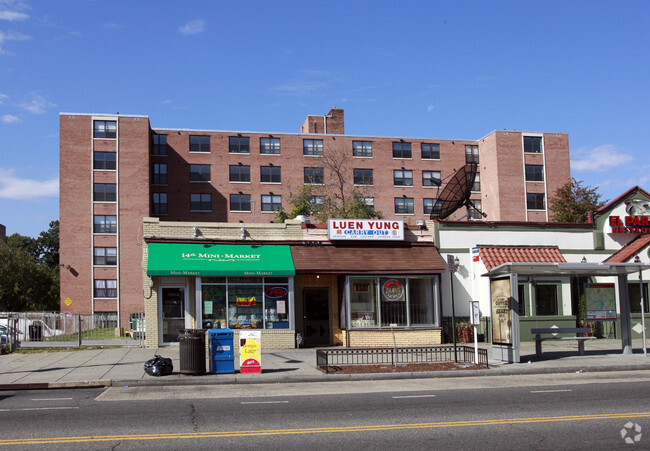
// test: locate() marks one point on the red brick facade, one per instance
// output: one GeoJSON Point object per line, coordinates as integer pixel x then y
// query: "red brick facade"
{"type": "Point", "coordinates": [501, 166]}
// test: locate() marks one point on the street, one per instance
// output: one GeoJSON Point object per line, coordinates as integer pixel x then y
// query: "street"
{"type": "Point", "coordinates": [567, 411]}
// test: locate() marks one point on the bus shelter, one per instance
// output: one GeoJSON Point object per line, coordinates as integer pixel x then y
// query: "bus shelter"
{"type": "Point", "coordinates": [505, 303]}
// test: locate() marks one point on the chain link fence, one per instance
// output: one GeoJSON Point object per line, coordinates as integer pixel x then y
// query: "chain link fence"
{"type": "Point", "coordinates": [52, 329]}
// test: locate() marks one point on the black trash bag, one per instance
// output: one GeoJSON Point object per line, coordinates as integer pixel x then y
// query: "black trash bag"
{"type": "Point", "coordinates": [158, 366]}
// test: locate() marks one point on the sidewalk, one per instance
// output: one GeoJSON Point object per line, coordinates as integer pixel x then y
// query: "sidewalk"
{"type": "Point", "coordinates": [124, 366]}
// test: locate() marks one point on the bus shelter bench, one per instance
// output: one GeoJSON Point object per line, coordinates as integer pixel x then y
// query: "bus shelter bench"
{"type": "Point", "coordinates": [579, 337]}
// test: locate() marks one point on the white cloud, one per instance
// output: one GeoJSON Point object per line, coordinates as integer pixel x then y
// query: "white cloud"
{"type": "Point", "coordinates": [10, 36]}
{"type": "Point", "coordinates": [12, 187]}
{"type": "Point", "coordinates": [430, 108]}
{"type": "Point", "coordinates": [600, 158]}
{"type": "Point", "coordinates": [12, 15]}
{"type": "Point", "coordinates": [193, 27]}
{"type": "Point", "coordinates": [36, 104]}
{"type": "Point", "coordinates": [9, 119]}
{"type": "Point", "coordinates": [3, 97]}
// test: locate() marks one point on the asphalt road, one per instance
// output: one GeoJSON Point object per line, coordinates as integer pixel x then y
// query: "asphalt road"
{"type": "Point", "coordinates": [567, 411]}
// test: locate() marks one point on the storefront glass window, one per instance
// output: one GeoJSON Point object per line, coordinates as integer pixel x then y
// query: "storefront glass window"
{"type": "Point", "coordinates": [393, 302]}
{"type": "Point", "coordinates": [421, 302]}
{"type": "Point", "coordinates": [363, 304]}
{"type": "Point", "coordinates": [245, 302]}
{"type": "Point", "coordinates": [397, 301]}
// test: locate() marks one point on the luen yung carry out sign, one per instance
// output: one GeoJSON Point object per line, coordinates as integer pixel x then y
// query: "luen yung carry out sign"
{"type": "Point", "coordinates": [365, 229]}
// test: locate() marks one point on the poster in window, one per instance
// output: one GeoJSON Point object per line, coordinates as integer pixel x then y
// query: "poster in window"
{"type": "Point", "coordinates": [501, 311]}
{"type": "Point", "coordinates": [392, 290]}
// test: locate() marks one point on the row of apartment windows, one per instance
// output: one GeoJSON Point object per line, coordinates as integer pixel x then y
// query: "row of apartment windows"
{"type": "Point", "coordinates": [271, 203]}
{"type": "Point", "coordinates": [311, 175]}
{"type": "Point", "coordinates": [311, 147]}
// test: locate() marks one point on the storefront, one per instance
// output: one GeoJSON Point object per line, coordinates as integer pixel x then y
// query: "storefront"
{"type": "Point", "coordinates": [299, 289]}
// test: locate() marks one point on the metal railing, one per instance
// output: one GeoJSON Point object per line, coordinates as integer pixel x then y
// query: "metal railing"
{"type": "Point", "coordinates": [53, 329]}
{"type": "Point", "coordinates": [397, 356]}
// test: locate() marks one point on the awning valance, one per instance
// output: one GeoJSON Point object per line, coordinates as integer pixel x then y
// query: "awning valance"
{"type": "Point", "coordinates": [367, 260]}
{"type": "Point", "coordinates": [191, 259]}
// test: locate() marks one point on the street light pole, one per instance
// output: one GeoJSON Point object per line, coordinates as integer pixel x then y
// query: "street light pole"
{"type": "Point", "coordinates": [452, 265]}
{"type": "Point", "coordinates": [645, 349]}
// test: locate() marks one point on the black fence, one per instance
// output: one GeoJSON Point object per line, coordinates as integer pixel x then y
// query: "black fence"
{"type": "Point", "coordinates": [397, 356]}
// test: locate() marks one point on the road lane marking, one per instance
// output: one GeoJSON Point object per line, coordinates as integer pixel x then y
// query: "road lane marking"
{"type": "Point", "coordinates": [321, 430]}
{"type": "Point", "coordinates": [414, 396]}
{"type": "Point", "coordinates": [550, 391]}
{"type": "Point", "coordinates": [51, 399]}
{"type": "Point", "coordinates": [38, 408]}
{"type": "Point", "coordinates": [265, 402]}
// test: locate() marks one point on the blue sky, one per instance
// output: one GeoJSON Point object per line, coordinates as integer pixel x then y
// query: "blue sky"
{"type": "Point", "coordinates": [438, 69]}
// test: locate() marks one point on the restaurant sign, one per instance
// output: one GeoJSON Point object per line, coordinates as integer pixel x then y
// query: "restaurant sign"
{"type": "Point", "coordinates": [365, 229]}
{"type": "Point", "coordinates": [630, 224]}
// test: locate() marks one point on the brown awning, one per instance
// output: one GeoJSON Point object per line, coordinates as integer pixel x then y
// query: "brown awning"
{"type": "Point", "coordinates": [330, 259]}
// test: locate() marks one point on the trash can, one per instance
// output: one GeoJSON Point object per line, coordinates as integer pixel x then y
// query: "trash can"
{"type": "Point", "coordinates": [191, 343]}
{"type": "Point", "coordinates": [222, 354]}
{"type": "Point", "coordinates": [35, 332]}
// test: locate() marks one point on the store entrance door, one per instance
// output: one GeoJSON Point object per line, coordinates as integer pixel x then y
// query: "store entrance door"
{"type": "Point", "coordinates": [316, 303]}
{"type": "Point", "coordinates": [172, 306]}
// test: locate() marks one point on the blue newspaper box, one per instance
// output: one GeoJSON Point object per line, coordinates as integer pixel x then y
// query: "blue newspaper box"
{"type": "Point", "coordinates": [222, 354]}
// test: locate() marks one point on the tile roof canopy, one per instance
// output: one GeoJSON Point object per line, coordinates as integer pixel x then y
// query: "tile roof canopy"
{"type": "Point", "coordinates": [328, 259]}
{"type": "Point", "coordinates": [627, 252]}
{"type": "Point", "coordinates": [494, 256]}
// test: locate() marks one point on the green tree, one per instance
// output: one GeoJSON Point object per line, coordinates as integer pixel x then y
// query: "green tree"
{"type": "Point", "coordinates": [338, 196]}
{"type": "Point", "coordinates": [573, 202]}
{"type": "Point", "coordinates": [29, 272]}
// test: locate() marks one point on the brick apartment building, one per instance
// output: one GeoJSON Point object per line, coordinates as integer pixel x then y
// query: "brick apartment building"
{"type": "Point", "coordinates": [117, 169]}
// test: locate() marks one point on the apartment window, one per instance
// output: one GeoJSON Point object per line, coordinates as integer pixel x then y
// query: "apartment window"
{"type": "Point", "coordinates": [104, 160]}
{"type": "Point", "coordinates": [200, 202]}
{"type": "Point", "coordinates": [199, 143]}
{"type": "Point", "coordinates": [270, 146]}
{"type": "Point", "coordinates": [105, 288]}
{"type": "Point", "coordinates": [104, 224]}
{"type": "Point", "coordinates": [199, 173]}
{"type": "Point", "coordinates": [239, 144]}
{"type": "Point", "coordinates": [363, 177]}
{"type": "Point", "coordinates": [369, 201]}
{"type": "Point", "coordinates": [430, 151]}
{"type": "Point", "coordinates": [312, 147]}
{"type": "Point", "coordinates": [404, 205]}
{"type": "Point", "coordinates": [159, 203]}
{"type": "Point", "coordinates": [402, 178]}
{"type": "Point", "coordinates": [402, 150]}
{"type": "Point", "coordinates": [159, 174]}
{"type": "Point", "coordinates": [431, 178]}
{"type": "Point", "coordinates": [546, 299]}
{"type": "Point", "coordinates": [533, 144]}
{"type": "Point", "coordinates": [362, 149]}
{"type": "Point", "coordinates": [471, 154]}
{"type": "Point", "coordinates": [270, 174]}
{"type": "Point", "coordinates": [105, 129]}
{"type": "Point", "coordinates": [105, 256]}
{"type": "Point", "coordinates": [315, 203]}
{"type": "Point", "coordinates": [104, 192]}
{"type": "Point", "coordinates": [314, 176]}
{"type": "Point", "coordinates": [476, 213]}
{"type": "Point", "coordinates": [431, 206]}
{"type": "Point", "coordinates": [534, 173]}
{"type": "Point", "coordinates": [240, 173]}
{"type": "Point", "coordinates": [271, 202]}
{"type": "Point", "coordinates": [159, 145]}
{"type": "Point", "coordinates": [477, 183]}
{"type": "Point", "coordinates": [535, 201]}
{"type": "Point", "coordinates": [240, 202]}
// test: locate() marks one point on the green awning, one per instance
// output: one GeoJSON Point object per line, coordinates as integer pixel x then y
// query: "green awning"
{"type": "Point", "coordinates": [190, 259]}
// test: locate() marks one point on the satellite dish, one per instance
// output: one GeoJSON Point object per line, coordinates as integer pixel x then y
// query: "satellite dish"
{"type": "Point", "coordinates": [456, 193]}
